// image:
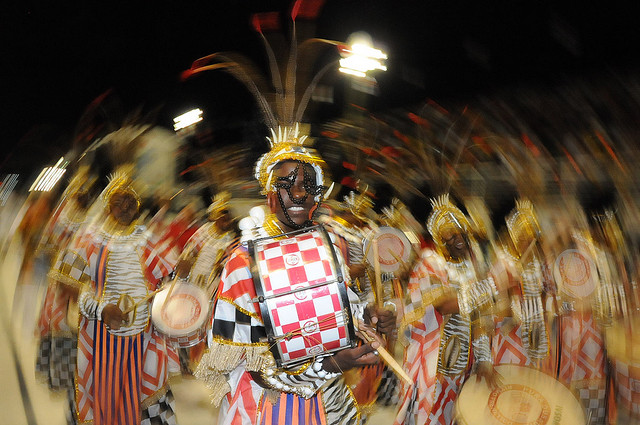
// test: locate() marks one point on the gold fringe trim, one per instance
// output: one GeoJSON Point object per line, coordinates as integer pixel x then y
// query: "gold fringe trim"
{"type": "Point", "coordinates": [242, 310]}
{"type": "Point", "coordinates": [222, 357]}
{"type": "Point", "coordinates": [154, 397]}
{"type": "Point", "coordinates": [65, 279]}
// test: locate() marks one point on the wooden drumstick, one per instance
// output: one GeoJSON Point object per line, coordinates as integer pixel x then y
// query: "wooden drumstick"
{"type": "Point", "coordinates": [376, 270]}
{"type": "Point", "coordinates": [389, 360]}
{"type": "Point", "coordinates": [146, 298]}
{"type": "Point", "coordinates": [173, 284]}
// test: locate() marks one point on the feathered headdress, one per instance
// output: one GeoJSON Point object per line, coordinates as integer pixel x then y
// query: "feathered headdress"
{"type": "Point", "coordinates": [282, 102]}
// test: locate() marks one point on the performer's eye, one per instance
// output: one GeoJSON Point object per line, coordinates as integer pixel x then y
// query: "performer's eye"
{"type": "Point", "coordinates": [284, 183]}
{"type": "Point", "coordinates": [314, 189]}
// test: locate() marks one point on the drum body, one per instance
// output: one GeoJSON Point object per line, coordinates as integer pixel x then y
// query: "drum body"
{"type": "Point", "coordinates": [181, 313]}
{"type": "Point", "coordinates": [527, 397]}
{"type": "Point", "coordinates": [394, 248]}
{"type": "Point", "coordinates": [302, 295]}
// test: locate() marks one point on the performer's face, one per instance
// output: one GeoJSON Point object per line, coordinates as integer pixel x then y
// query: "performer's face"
{"type": "Point", "coordinates": [455, 242]}
{"type": "Point", "coordinates": [123, 207]}
{"type": "Point", "coordinates": [292, 203]}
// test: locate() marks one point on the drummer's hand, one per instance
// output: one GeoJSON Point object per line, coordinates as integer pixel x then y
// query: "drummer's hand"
{"type": "Point", "coordinates": [383, 319]}
{"type": "Point", "coordinates": [69, 291]}
{"type": "Point", "coordinates": [112, 316]}
{"type": "Point", "coordinates": [183, 268]}
{"type": "Point", "coordinates": [349, 358]}
{"type": "Point", "coordinates": [485, 370]}
{"type": "Point", "coordinates": [357, 270]}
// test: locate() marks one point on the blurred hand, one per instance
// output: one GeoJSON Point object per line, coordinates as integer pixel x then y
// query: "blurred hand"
{"type": "Point", "coordinates": [383, 319]}
{"type": "Point", "coordinates": [357, 270]}
{"type": "Point", "coordinates": [486, 371]}
{"type": "Point", "coordinates": [112, 316]}
{"type": "Point", "coordinates": [349, 358]}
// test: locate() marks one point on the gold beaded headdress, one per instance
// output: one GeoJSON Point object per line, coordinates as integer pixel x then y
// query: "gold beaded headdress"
{"type": "Point", "coordinates": [120, 182]}
{"type": "Point", "coordinates": [220, 203]}
{"type": "Point", "coordinates": [287, 145]}
{"type": "Point", "coordinates": [522, 221]}
{"type": "Point", "coordinates": [445, 215]}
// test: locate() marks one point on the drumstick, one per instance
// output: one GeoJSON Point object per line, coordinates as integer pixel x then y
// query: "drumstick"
{"type": "Point", "coordinates": [146, 298]}
{"type": "Point", "coordinates": [376, 269]}
{"type": "Point", "coordinates": [389, 360]}
{"type": "Point", "coordinates": [173, 284]}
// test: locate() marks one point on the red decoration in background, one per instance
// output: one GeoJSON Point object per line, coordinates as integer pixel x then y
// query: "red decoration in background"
{"type": "Point", "coordinates": [419, 120]}
{"type": "Point", "coordinates": [268, 21]}
{"type": "Point", "coordinates": [306, 9]}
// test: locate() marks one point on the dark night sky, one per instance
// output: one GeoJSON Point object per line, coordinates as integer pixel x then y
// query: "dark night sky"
{"type": "Point", "coordinates": [58, 56]}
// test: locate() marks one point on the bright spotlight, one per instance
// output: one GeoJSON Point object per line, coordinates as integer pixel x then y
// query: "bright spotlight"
{"type": "Point", "coordinates": [187, 119]}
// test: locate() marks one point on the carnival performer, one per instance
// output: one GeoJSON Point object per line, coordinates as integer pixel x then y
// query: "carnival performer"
{"type": "Point", "coordinates": [58, 322]}
{"type": "Point", "coordinates": [354, 219]}
{"type": "Point", "coordinates": [620, 336]}
{"type": "Point", "coordinates": [588, 303]}
{"type": "Point", "coordinates": [238, 366]}
{"type": "Point", "coordinates": [204, 253]}
{"type": "Point", "coordinates": [202, 259]}
{"type": "Point", "coordinates": [123, 363]}
{"type": "Point", "coordinates": [449, 290]}
{"type": "Point", "coordinates": [521, 335]}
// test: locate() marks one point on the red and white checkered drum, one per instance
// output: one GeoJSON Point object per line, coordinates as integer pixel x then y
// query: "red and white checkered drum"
{"type": "Point", "coordinates": [180, 312]}
{"type": "Point", "coordinates": [575, 273]}
{"type": "Point", "coordinates": [526, 397]}
{"type": "Point", "coordinates": [302, 295]}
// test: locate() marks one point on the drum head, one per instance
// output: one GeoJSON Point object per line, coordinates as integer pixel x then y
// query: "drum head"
{"type": "Point", "coordinates": [184, 312]}
{"type": "Point", "coordinates": [527, 397]}
{"type": "Point", "coordinates": [574, 272]}
{"type": "Point", "coordinates": [394, 249]}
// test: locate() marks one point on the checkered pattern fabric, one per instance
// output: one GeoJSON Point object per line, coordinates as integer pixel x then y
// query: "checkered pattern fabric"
{"type": "Point", "coordinates": [627, 387]}
{"type": "Point", "coordinates": [56, 361]}
{"type": "Point", "coordinates": [389, 390]}
{"type": "Point", "coordinates": [160, 413]}
{"type": "Point", "coordinates": [234, 325]}
{"type": "Point", "coordinates": [302, 260]}
{"type": "Point", "coordinates": [593, 399]}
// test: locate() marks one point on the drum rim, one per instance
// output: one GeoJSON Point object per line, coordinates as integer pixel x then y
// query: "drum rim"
{"type": "Point", "coordinates": [366, 241]}
{"type": "Point", "coordinates": [182, 333]}
{"type": "Point", "coordinates": [577, 406]}
{"type": "Point", "coordinates": [558, 276]}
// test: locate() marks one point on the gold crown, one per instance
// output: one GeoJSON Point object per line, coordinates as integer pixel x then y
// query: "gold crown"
{"type": "Point", "coordinates": [523, 219]}
{"type": "Point", "coordinates": [120, 182]}
{"type": "Point", "coordinates": [287, 145]}
{"type": "Point", "coordinates": [219, 204]}
{"type": "Point", "coordinates": [444, 214]}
